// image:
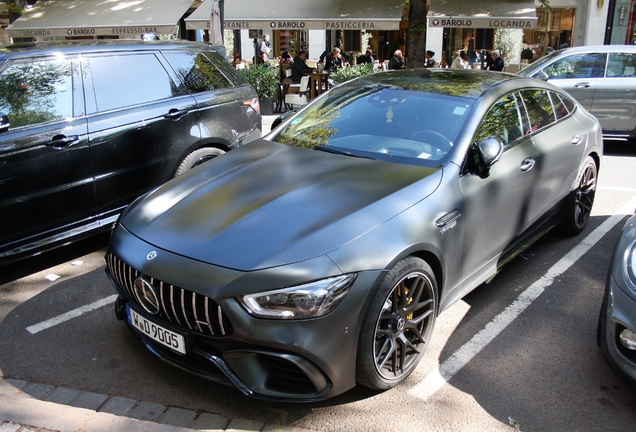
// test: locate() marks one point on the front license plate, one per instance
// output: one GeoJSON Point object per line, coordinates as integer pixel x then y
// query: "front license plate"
{"type": "Point", "coordinates": [165, 337]}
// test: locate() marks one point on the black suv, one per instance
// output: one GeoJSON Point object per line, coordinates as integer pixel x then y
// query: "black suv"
{"type": "Point", "coordinates": [86, 127]}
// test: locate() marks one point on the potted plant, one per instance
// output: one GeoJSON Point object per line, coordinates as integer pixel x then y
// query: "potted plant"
{"type": "Point", "coordinates": [264, 79]}
{"type": "Point", "coordinates": [349, 73]}
{"type": "Point", "coordinates": [526, 55]}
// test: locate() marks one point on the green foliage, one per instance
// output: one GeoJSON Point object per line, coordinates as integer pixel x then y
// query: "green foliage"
{"type": "Point", "coordinates": [348, 73]}
{"type": "Point", "coordinates": [263, 78]}
{"type": "Point", "coordinates": [526, 54]}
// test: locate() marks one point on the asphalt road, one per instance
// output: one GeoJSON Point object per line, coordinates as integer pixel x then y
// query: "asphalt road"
{"type": "Point", "coordinates": [518, 351]}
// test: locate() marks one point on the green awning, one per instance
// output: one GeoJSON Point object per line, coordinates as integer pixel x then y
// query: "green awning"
{"type": "Point", "coordinates": [303, 15]}
{"type": "Point", "coordinates": [99, 18]}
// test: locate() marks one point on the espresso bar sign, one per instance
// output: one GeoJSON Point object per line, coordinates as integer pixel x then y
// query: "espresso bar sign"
{"type": "Point", "coordinates": [478, 22]}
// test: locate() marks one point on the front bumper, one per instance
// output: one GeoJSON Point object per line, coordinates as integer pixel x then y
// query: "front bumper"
{"type": "Point", "coordinates": [621, 314]}
{"type": "Point", "coordinates": [289, 360]}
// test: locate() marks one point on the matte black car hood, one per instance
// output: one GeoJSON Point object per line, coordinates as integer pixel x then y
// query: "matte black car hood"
{"type": "Point", "coordinates": [268, 204]}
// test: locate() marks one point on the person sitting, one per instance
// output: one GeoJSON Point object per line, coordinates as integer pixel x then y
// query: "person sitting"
{"type": "Point", "coordinates": [333, 61]}
{"type": "Point", "coordinates": [367, 58]}
{"type": "Point", "coordinates": [397, 61]}
{"type": "Point", "coordinates": [285, 58]}
{"type": "Point", "coordinates": [261, 58]}
{"type": "Point", "coordinates": [430, 61]}
{"type": "Point", "coordinates": [237, 58]}
{"type": "Point", "coordinates": [497, 62]}
{"type": "Point", "coordinates": [461, 61]}
{"type": "Point", "coordinates": [299, 67]}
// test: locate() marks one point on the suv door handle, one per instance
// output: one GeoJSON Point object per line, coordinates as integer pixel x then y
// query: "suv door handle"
{"type": "Point", "coordinates": [59, 141]}
{"type": "Point", "coordinates": [527, 164]}
{"type": "Point", "coordinates": [582, 85]}
{"type": "Point", "coordinates": [175, 114]}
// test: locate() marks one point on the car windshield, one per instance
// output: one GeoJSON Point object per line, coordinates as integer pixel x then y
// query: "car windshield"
{"type": "Point", "coordinates": [412, 125]}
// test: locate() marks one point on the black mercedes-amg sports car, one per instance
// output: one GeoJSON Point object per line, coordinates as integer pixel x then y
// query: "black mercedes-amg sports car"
{"type": "Point", "coordinates": [320, 256]}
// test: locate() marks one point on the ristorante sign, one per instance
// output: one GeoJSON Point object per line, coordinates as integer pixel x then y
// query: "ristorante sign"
{"type": "Point", "coordinates": [479, 22]}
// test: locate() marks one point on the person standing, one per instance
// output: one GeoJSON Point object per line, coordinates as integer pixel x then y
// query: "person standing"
{"type": "Point", "coordinates": [263, 47]}
{"type": "Point", "coordinates": [429, 60]}
{"type": "Point", "coordinates": [397, 60]}
{"type": "Point", "coordinates": [497, 61]}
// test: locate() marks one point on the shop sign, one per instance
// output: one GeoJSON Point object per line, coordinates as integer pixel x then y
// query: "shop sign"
{"type": "Point", "coordinates": [234, 25]}
{"type": "Point", "coordinates": [495, 23]}
{"type": "Point", "coordinates": [81, 32]}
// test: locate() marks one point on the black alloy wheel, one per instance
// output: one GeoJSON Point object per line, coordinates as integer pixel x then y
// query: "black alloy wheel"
{"type": "Point", "coordinates": [579, 205]}
{"type": "Point", "coordinates": [399, 325]}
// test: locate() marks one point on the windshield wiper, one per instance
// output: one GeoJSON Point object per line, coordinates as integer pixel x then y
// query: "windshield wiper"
{"type": "Point", "coordinates": [340, 152]}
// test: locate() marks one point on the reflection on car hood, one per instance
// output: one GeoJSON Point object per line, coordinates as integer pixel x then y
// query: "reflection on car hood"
{"type": "Point", "coordinates": [268, 204]}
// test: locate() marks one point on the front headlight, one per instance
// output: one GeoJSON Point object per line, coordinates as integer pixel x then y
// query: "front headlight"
{"type": "Point", "coordinates": [630, 263]}
{"type": "Point", "coordinates": [311, 300]}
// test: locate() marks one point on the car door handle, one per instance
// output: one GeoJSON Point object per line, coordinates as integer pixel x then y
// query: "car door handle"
{"type": "Point", "coordinates": [59, 141]}
{"type": "Point", "coordinates": [582, 85]}
{"type": "Point", "coordinates": [175, 114]}
{"type": "Point", "coordinates": [576, 139]}
{"type": "Point", "coordinates": [527, 164]}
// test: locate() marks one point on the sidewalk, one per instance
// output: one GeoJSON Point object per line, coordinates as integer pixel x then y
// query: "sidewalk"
{"type": "Point", "coordinates": [267, 124]}
{"type": "Point", "coordinates": [32, 407]}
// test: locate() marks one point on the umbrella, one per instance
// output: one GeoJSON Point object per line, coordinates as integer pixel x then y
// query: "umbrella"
{"type": "Point", "coordinates": [216, 38]}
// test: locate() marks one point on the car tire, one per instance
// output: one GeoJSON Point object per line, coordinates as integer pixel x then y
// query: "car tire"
{"type": "Point", "coordinates": [198, 157]}
{"type": "Point", "coordinates": [398, 325]}
{"type": "Point", "coordinates": [578, 205]}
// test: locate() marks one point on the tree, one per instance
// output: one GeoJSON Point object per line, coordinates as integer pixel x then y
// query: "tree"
{"type": "Point", "coordinates": [15, 9]}
{"type": "Point", "coordinates": [416, 33]}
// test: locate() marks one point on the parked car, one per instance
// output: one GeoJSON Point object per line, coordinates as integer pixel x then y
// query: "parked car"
{"type": "Point", "coordinates": [617, 321]}
{"type": "Point", "coordinates": [87, 127]}
{"type": "Point", "coordinates": [320, 256]}
{"type": "Point", "coordinates": [601, 78]}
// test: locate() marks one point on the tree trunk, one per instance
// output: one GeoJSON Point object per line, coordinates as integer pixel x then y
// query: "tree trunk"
{"type": "Point", "coordinates": [18, 3]}
{"type": "Point", "coordinates": [416, 34]}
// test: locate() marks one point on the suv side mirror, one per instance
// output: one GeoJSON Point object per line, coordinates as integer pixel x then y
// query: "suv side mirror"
{"type": "Point", "coordinates": [4, 122]}
{"type": "Point", "coordinates": [489, 151]}
{"type": "Point", "coordinates": [542, 76]}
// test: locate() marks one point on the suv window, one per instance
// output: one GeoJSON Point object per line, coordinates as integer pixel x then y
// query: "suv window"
{"type": "Point", "coordinates": [197, 72]}
{"type": "Point", "coordinates": [540, 111]}
{"type": "Point", "coordinates": [37, 92]}
{"type": "Point", "coordinates": [125, 80]}
{"type": "Point", "coordinates": [503, 120]}
{"type": "Point", "coordinates": [621, 65]}
{"type": "Point", "coordinates": [589, 65]}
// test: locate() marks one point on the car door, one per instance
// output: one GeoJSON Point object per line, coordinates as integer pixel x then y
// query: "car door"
{"type": "Point", "coordinates": [140, 124]}
{"type": "Point", "coordinates": [498, 208]}
{"type": "Point", "coordinates": [579, 75]}
{"type": "Point", "coordinates": [559, 143]}
{"type": "Point", "coordinates": [46, 181]}
{"type": "Point", "coordinates": [614, 102]}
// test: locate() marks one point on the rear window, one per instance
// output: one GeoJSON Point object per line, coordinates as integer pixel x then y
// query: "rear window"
{"type": "Point", "coordinates": [199, 71]}
{"type": "Point", "coordinates": [621, 65]}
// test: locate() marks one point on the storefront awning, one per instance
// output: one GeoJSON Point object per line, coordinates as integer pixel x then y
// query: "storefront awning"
{"type": "Point", "coordinates": [509, 14]}
{"type": "Point", "coordinates": [99, 18]}
{"type": "Point", "coordinates": [303, 15]}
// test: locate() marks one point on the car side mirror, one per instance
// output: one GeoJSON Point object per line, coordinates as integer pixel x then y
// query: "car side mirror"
{"type": "Point", "coordinates": [281, 118]}
{"type": "Point", "coordinates": [4, 122]}
{"type": "Point", "coordinates": [489, 151]}
{"type": "Point", "coordinates": [542, 76]}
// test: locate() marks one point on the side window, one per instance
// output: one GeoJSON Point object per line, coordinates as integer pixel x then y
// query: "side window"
{"type": "Point", "coordinates": [125, 80]}
{"type": "Point", "coordinates": [502, 120]}
{"type": "Point", "coordinates": [578, 66]}
{"type": "Point", "coordinates": [539, 107]}
{"type": "Point", "coordinates": [559, 108]}
{"type": "Point", "coordinates": [569, 104]}
{"type": "Point", "coordinates": [621, 65]}
{"type": "Point", "coordinates": [196, 71]}
{"type": "Point", "coordinates": [37, 92]}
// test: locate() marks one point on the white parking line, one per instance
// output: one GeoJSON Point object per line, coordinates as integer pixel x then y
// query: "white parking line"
{"type": "Point", "coordinates": [71, 314]}
{"type": "Point", "coordinates": [436, 380]}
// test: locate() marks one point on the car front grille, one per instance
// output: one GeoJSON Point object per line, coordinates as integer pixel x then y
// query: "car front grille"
{"type": "Point", "coordinates": [178, 306]}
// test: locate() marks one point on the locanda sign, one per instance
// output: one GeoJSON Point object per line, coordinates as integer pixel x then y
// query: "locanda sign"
{"type": "Point", "coordinates": [483, 23]}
